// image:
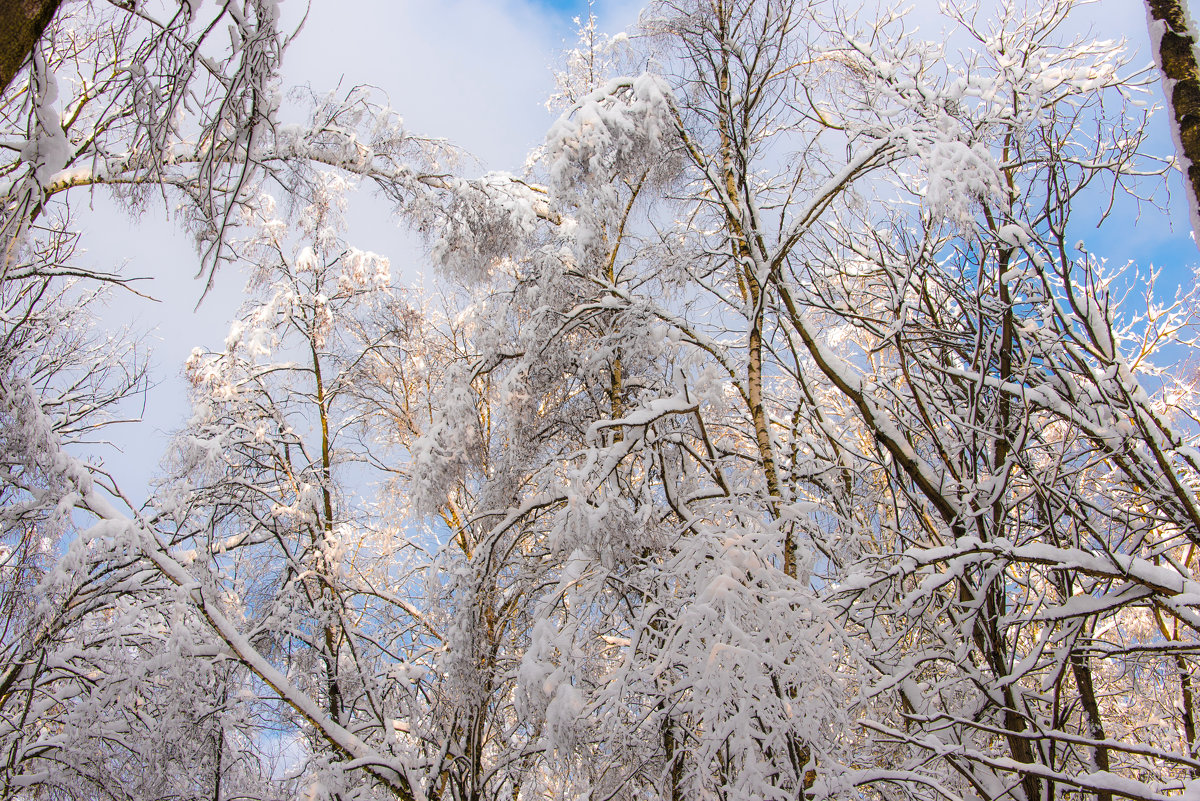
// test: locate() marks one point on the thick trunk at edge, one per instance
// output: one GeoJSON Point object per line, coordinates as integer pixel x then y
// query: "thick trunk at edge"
{"type": "Point", "coordinates": [1181, 81]}
{"type": "Point", "coordinates": [21, 25]}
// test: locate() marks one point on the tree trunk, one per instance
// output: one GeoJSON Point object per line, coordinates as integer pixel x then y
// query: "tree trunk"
{"type": "Point", "coordinates": [1181, 84]}
{"type": "Point", "coordinates": [21, 25]}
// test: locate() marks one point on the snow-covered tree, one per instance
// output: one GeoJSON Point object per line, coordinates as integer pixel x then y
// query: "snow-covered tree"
{"type": "Point", "coordinates": [777, 435]}
{"type": "Point", "coordinates": [875, 375]}
{"type": "Point", "coordinates": [178, 101]}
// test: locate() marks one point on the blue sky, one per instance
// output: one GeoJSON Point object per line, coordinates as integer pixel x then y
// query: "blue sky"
{"type": "Point", "coordinates": [567, 7]}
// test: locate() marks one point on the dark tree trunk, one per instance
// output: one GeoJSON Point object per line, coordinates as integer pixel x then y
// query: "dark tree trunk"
{"type": "Point", "coordinates": [1181, 81]}
{"type": "Point", "coordinates": [21, 25]}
